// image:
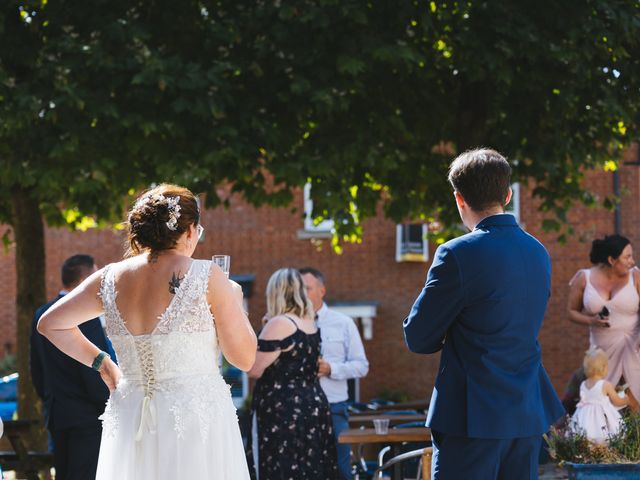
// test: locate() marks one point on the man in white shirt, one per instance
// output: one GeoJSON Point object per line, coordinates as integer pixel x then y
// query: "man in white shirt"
{"type": "Point", "coordinates": [342, 358]}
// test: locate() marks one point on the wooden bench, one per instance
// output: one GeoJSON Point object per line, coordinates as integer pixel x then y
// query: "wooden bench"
{"type": "Point", "coordinates": [22, 460]}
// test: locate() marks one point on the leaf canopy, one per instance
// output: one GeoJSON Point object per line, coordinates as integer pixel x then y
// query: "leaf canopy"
{"type": "Point", "coordinates": [368, 101]}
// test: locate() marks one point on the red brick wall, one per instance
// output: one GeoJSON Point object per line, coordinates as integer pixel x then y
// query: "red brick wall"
{"type": "Point", "coordinates": [262, 240]}
{"type": "Point", "coordinates": [7, 300]}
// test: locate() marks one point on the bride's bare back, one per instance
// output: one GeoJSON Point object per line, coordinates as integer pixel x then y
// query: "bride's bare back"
{"type": "Point", "coordinates": [146, 289]}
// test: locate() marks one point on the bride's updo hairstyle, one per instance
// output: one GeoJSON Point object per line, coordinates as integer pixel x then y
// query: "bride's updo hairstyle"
{"type": "Point", "coordinates": [609, 246]}
{"type": "Point", "coordinates": [286, 294]}
{"type": "Point", "coordinates": [159, 218]}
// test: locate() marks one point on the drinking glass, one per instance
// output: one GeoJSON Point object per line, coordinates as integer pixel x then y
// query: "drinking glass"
{"type": "Point", "coordinates": [224, 262]}
{"type": "Point", "coordinates": [381, 425]}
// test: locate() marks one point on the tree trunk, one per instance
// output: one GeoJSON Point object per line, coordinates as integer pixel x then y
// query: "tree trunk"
{"type": "Point", "coordinates": [28, 230]}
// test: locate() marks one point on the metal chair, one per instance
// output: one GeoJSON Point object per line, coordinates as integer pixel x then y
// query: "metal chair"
{"type": "Point", "coordinates": [424, 465]}
{"type": "Point", "coordinates": [365, 469]}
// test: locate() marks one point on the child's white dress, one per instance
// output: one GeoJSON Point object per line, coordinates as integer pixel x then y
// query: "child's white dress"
{"type": "Point", "coordinates": [595, 415]}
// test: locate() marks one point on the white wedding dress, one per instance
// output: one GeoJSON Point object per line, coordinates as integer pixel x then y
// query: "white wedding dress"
{"type": "Point", "coordinates": [171, 415]}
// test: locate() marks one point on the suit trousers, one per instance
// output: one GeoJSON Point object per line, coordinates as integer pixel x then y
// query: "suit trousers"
{"type": "Point", "coordinates": [75, 452]}
{"type": "Point", "coordinates": [463, 458]}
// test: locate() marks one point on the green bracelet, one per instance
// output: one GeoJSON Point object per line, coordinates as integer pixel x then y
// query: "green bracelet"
{"type": "Point", "coordinates": [98, 360]}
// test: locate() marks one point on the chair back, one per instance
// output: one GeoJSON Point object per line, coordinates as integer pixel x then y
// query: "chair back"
{"type": "Point", "coordinates": [424, 466]}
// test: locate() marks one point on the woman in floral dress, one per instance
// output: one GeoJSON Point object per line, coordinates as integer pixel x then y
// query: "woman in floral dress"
{"type": "Point", "coordinates": [292, 436]}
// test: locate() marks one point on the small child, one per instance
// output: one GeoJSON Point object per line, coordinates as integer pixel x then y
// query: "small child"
{"type": "Point", "coordinates": [596, 413]}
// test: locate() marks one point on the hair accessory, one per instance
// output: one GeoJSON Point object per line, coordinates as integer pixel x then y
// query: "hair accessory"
{"type": "Point", "coordinates": [174, 212]}
{"type": "Point", "coordinates": [173, 205]}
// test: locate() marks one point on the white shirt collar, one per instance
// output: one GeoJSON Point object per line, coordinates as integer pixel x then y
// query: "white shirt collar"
{"type": "Point", "coordinates": [323, 310]}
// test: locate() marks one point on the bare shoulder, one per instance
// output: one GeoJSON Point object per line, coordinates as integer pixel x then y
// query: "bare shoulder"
{"type": "Point", "coordinates": [277, 328]}
{"type": "Point", "coordinates": [579, 280]}
{"type": "Point", "coordinates": [635, 271]}
{"type": "Point", "coordinates": [607, 387]}
{"type": "Point", "coordinates": [127, 265]}
{"type": "Point", "coordinates": [92, 283]}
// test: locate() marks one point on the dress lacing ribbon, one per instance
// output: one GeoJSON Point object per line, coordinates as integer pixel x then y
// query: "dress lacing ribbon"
{"type": "Point", "coordinates": [148, 412]}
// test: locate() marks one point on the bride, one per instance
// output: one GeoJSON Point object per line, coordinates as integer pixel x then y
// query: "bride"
{"type": "Point", "coordinates": [170, 413]}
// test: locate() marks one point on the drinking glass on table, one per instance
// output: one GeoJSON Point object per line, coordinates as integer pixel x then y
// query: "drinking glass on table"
{"type": "Point", "coordinates": [381, 425]}
{"type": "Point", "coordinates": [224, 262]}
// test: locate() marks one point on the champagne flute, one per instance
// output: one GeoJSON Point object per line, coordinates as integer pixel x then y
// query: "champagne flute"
{"type": "Point", "coordinates": [224, 262]}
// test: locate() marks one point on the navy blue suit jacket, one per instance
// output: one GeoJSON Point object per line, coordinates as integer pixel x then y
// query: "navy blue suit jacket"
{"type": "Point", "coordinates": [73, 394]}
{"type": "Point", "coordinates": [482, 305]}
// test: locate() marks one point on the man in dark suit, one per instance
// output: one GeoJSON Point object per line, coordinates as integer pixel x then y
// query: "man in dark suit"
{"type": "Point", "coordinates": [482, 305]}
{"type": "Point", "coordinates": [73, 395]}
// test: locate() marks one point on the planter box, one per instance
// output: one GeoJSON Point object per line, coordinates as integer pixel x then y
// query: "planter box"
{"type": "Point", "coordinates": [616, 471]}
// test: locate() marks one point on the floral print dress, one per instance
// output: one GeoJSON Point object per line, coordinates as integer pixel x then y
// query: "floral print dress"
{"type": "Point", "coordinates": [292, 437]}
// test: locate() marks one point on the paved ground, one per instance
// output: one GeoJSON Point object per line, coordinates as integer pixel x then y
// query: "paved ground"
{"type": "Point", "coordinates": [550, 472]}
{"type": "Point", "coordinates": [547, 472]}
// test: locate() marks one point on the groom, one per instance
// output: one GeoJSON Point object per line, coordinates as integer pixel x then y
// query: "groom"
{"type": "Point", "coordinates": [483, 305]}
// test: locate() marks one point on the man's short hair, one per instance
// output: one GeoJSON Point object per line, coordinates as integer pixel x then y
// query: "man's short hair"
{"type": "Point", "coordinates": [76, 268]}
{"type": "Point", "coordinates": [313, 271]}
{"type": "Point", "coordinates": [482, 176]}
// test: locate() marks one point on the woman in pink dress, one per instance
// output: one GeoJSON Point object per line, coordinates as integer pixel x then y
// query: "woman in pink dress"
{"type": "Point", "coordinates": [606, 298]}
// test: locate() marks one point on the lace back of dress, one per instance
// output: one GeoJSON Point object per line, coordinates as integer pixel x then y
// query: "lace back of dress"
{"type": "Point", "coordinates": [189, 312]}
{"type": "Point", "coordinates": [178, 358]}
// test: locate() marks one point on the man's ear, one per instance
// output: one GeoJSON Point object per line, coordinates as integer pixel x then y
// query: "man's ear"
{"type": "Point", "coordinates": [459, 199]}
{"type": "Point", "coordinates": [509, 197]}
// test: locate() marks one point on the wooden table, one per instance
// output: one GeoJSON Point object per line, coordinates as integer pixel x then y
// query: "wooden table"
{"type": "Point", "coordinates": [21, 459]}
{"type": "Point", "coordinates": [367, 420]}
{"type": "Point", "coordinates": [395, 437]}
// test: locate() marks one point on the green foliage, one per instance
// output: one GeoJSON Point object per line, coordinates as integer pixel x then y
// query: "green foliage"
{"type": "Point", "coordinates": [367, 100]}
{"type": "Point", "coordinates": [395, 396]}
{"type": "Point", "coordinates": [567, 446]}
{"type": "Point", "coordinates": [627, 442]}
{"type": "Point", "coordinates": [571, 445]}
{"type": "Point", "coordinates": [385, 97]}
{"type": "Point", "coordinates": [7, 364]}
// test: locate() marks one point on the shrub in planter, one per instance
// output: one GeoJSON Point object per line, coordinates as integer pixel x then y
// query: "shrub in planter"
{"type": "Point", "coordinates": [618, 458]}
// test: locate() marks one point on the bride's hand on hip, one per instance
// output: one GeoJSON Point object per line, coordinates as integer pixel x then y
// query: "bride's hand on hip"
{"type": "Point", "coordinates": [110, 374]}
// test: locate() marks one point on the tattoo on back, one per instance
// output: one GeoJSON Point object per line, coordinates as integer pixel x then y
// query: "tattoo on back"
{"type": "Point", "coordinates": [175, 281]}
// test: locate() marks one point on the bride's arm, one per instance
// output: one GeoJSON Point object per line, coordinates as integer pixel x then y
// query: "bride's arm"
{"type": "Point", "coordinates": [235, 333]}
{"type": "Point", "coordinates": [60, 325]}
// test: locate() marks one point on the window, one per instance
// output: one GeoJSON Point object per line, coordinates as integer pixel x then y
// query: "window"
{"type": "Point", "coordinates": [362, 313]}
{"type": "Point", "coordinates": [411, 242]}
{"type": "Point", "coordinates": [324, 226]}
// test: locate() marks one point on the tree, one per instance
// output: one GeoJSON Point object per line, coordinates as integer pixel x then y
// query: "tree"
{"type": "Point", "coordinates": [366, 100]}
{"type": "Point", "coordinates": [382, 94]}
{"type": "Point", "coordinates": [99, 99]}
